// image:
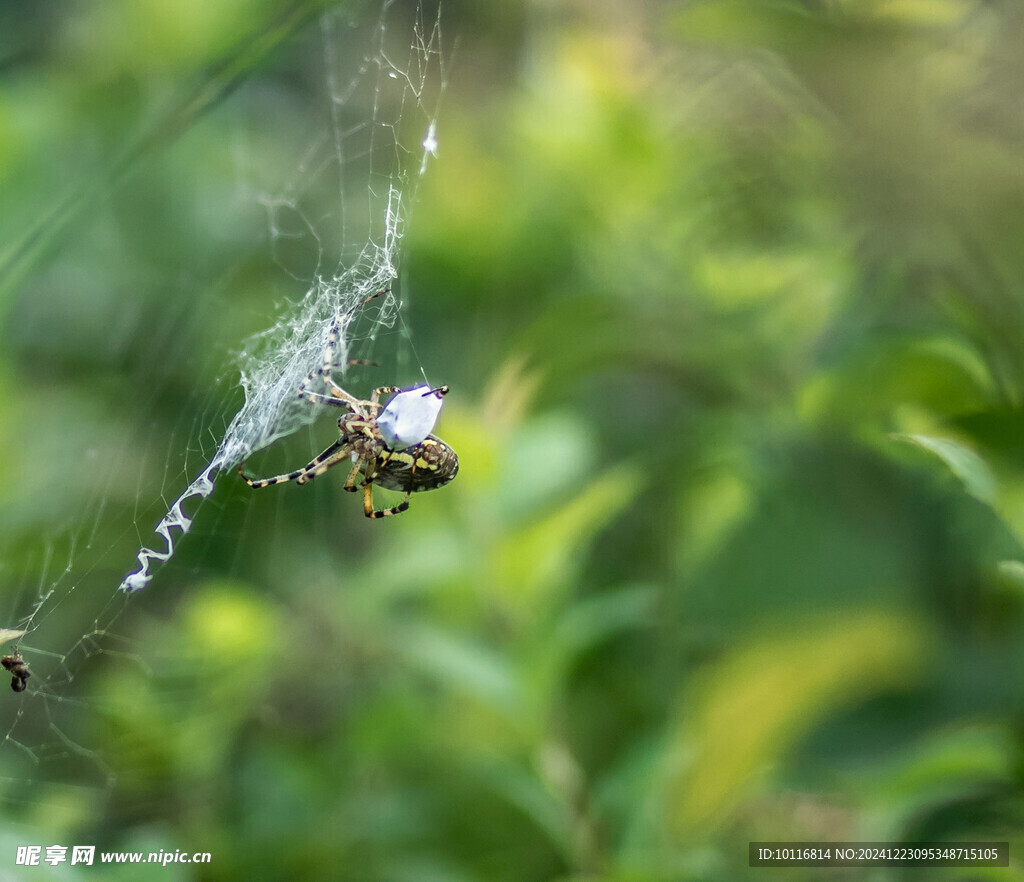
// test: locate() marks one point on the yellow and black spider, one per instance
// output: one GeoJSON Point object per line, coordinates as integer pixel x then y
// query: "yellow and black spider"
{"type": "Point", "coordinates": [391, 449]}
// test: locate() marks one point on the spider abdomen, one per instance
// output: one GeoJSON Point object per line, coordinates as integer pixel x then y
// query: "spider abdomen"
{"type": "Point", "coordinates": [424, 466]}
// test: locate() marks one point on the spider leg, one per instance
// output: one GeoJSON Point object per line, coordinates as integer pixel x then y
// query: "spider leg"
{"type": "Point", "coordinates": [324, 371]}
{"type": "Point", "coordinates": [338, 397]}
{"type": "Point", "coordinates": [373, 467]}
{"type": "Point", "coordinates": [334, 401]}
{"type": "Point", "coordinates": [350, 481]}
{"type": "Point", "coordinates": [369, 510]}
{"type": "Point", "coordinates": [334, 454]}
{"type": "Point", "coordinates": [382, 390]}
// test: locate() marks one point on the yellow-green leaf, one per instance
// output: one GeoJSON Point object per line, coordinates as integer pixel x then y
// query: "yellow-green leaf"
{"type": "Point", "coordinates": [755, 703]}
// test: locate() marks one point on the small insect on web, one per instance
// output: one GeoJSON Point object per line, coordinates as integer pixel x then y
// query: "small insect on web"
{"type": "Point", "coordinates": [17, 667]}
{"type": "Point", "coordinates": [13, 662]}
{"type": "Point", "coordinates": [392, 448]}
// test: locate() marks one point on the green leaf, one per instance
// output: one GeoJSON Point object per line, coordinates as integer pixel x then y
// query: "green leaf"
{"type": "Point", "coordinates": [755, 703]}
{"type": "Point", "coordinates": [970, 468]}
{"type": "Point", "coordinates": [544, 555]}
{"type": "Point", "coordinates": [466, 666]}
{"type": "Point", "coordinates": [528, 793]}
{"type": "Point", "coordinates": [593, 619]}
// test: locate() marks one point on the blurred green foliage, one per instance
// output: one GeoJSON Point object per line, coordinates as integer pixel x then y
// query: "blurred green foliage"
{"type": "Point", "coordinates": [728, 296]}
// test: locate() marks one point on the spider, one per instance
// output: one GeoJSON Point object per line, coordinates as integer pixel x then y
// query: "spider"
{"type": "Point", "coordinates": [389, 446]}
{"type": "Point", "coordinates": [18, 668]}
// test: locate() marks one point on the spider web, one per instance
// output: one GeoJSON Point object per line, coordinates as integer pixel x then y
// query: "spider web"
{"type": "Point", "coordinates": [335, 229]}
{"type": "Point", "coordinates": [274, 363]}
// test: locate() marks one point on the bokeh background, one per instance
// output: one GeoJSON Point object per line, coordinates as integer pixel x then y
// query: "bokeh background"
{"type": "Point", "coordinates": [729, 297]}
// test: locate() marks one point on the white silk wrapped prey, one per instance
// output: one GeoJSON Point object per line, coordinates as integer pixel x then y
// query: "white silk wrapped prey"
{"type": "Point", "coordinates": [410, 416]}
